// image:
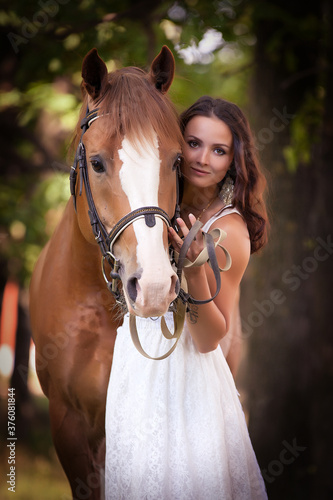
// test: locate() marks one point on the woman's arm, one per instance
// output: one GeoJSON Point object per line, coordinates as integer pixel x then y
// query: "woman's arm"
{"type": "Point", "coordinates": [208, 323]}
{"type": "Point", "coordinates": [231, 344]}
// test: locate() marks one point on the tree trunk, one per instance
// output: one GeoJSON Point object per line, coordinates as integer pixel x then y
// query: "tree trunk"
{"type": "Point", "coordinates": [286, 297]}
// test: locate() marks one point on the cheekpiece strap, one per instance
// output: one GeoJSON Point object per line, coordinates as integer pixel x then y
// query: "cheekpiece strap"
{"type": "Point", "coordinates": [90, 116]}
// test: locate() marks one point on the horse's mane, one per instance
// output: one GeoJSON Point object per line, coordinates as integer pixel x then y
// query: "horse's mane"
{"type": "Point", "coordinates": [134, 107]}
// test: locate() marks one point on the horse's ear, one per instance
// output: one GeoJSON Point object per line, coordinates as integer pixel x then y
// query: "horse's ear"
{"type": "Point", "coordinates": [162, 69]}
{"type": "Point", "coordinates": [94, 74]}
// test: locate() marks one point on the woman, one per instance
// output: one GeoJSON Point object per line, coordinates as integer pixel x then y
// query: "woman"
{"type": "Point", "coordinates": [239, 185]}
{"type": "Point", "coordinates": [180, 432]}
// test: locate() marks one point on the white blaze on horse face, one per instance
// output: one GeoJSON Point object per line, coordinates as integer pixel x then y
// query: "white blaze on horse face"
{"type": "Point", "coordinates": [140, 177]}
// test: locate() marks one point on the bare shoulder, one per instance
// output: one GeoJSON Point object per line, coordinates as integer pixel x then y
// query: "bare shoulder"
{"type": "Point", "coordinates": [237, 241]}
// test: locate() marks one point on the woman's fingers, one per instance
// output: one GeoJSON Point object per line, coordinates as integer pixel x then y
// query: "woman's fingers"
{"type": "Point", "coordinates": [198, 238]}
{"type": "Point", "coordinates": [175, 239]}
{"type": "Point", "coordinates": [177, 242]}
{"type": "Point", "coordinates": [192, 219]}
{"type": "Point", "coordinates": [182, 226]}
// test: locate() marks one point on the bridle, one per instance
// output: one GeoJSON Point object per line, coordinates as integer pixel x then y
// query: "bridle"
{"type": "Point", "coordinates": [106, 241]}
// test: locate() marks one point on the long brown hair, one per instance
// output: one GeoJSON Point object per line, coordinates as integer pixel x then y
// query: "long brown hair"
{"type": "Point", "coordinates": [250, 182]}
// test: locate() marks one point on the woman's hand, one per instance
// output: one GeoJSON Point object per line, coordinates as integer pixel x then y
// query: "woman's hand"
{"type": "Point", "coordinates": [212, 319]}
{"type": "Point", "coordinates": [196, 246]}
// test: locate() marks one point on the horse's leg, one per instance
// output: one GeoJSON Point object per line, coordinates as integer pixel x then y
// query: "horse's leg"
{"type": "Point", "coordinates": [83, 466]}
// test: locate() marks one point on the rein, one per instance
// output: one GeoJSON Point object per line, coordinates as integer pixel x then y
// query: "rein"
{"type": "Point", "coordinates": [107, 240]}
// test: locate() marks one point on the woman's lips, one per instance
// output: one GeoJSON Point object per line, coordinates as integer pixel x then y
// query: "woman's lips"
{"type": "Point", "coordinates": [199, 172]}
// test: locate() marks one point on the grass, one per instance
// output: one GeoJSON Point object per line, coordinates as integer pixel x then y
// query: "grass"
{"type": "Point", "coordinates": [38, 477]}
{"type": "Point", "coordinates": [38, 473]}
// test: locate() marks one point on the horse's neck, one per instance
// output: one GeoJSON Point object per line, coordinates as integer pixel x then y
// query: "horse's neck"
{"type": "Point", "coordinates": [85, 257]}
{"type": "Point", "coordinates": [85, 270]}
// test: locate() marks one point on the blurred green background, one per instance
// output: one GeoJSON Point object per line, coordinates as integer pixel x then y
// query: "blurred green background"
{"type": "Point", "coordinates": [274, 59]}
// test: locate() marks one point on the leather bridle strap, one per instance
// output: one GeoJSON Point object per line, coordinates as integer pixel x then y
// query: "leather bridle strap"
{"type": "Point", "coordinates": [148, 213]}
{"type": "Point", "coordinates": [178, 319]}
{"type": "Point", "coordinates": [80, 158]}
{"type": "Point", "coordinates": [211, 239]}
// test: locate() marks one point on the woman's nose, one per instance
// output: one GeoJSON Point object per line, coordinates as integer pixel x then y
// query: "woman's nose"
{"type": "Point", "coordinates": [203, 157]}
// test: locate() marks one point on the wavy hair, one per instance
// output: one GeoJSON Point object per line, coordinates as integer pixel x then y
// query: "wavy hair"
{"type": "Point", "coordinates": [250, 183]}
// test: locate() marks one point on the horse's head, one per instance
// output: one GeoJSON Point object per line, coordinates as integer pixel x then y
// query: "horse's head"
{"type": "Point", "coordinates": [131, 151]}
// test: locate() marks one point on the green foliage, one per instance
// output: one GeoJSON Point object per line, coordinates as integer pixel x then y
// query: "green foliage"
{"type": "Point", "coordinates": [38, 97]}
{"type": "Point", "coordinates": [304, 131]}
{"type": "Point", "coordinates": [28, 218]}
{"type": "Point", "coordinates": [290, 28]}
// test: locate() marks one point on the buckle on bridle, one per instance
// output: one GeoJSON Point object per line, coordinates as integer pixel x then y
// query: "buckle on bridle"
{"type": "Point", "coordinates": [114, 275]}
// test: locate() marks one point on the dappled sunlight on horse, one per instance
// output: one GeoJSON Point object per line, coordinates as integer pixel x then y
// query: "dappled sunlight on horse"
{"type": "Point", "coordinates": [123, 183]}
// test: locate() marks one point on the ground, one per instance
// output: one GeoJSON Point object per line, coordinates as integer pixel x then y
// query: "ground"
{"type": "Point", "coordinates": [38, 474]}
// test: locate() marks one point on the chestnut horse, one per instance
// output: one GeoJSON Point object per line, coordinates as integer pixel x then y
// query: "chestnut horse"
{"type": "Point", "coordinates": [123, 183]}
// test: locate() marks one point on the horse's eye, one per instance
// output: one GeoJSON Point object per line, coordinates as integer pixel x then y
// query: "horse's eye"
{"type": "Point", "coordinates": [98, 166]}
{"type": "Point", "coordinates": [178, 162]}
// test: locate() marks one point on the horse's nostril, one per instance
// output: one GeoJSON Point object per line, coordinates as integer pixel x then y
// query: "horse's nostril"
{"type": "Point", "coordinates": [131, 288]}
{"type": "Point", "coordinates": [177, 287]}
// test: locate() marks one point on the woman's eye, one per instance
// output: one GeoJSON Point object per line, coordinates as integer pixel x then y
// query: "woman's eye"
{"type": "Point", "coordinates": [193, 144]}
{"type": "Point", "coordinates": [219, 151]}
{"type": "Point", "coordinates": [177, 162]}
{"type": "Point", "coordinates": [98, 166]}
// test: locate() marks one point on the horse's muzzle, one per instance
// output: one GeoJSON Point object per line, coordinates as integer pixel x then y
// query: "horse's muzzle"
{"type": "Point", "coordinates": [151, 296]}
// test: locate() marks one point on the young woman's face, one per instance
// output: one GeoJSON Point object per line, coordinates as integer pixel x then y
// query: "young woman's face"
{"type": "Point", "coordinates": [208, 151]}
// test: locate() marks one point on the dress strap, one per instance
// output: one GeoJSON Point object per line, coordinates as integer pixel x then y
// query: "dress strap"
{"type": "Point", "coordinates": [227, 210]}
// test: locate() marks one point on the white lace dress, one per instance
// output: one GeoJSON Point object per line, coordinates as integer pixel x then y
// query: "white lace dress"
{"type": "Point", "coordinates": [175, 429]}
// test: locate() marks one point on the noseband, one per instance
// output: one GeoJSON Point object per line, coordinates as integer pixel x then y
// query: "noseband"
{"type": "Point", "coordinates": [104, 239]}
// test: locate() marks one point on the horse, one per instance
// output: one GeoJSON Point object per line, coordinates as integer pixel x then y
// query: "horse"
{"type": "Point", "coordinates": [112, 236]}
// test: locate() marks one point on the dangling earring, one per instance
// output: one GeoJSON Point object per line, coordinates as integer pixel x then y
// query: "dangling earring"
{"type": "Point", "coordinates": [227, 190]}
